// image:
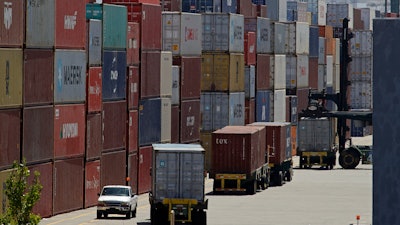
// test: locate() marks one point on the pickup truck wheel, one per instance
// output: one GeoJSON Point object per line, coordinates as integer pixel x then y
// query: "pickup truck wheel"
{"type": "Point", "coordinates": [99, 214]}
{"type": "Point", "coordinates": [134, 213]}
{"type": "Point", "coordinates": [105, 215]}
{"type": "Point", "coordinates": [128, 214]}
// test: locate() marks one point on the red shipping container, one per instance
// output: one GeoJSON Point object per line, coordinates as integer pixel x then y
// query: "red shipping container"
{"type": "Point", "coordinates": [175, 123]}
{"type": "Point", "coordinates": [44, 207]}
{"type": "Point", "coordinates": [190, 121]}
{"type": "Point", "coordinates": [94, 136]}
{"type": "Point", "coordinates": [263, 72]}
{"type": "Point", "coordinates": [133, 128]}
{"type": "Point", "coordinates": [302, 98]}
{"type": "Point", "coordinates": [38, 134]}
{"type": "Point", "coordinates": [10, 137]}
{"type": "Point", "coordinates": [313, 73]}
{"type": "Point", "coordinates": [190, 68]}
{"type": "Point", "coordinates": [133, 39]}
{"type": "Point", "coordinates": [144, 168]}
{"type": "Point", "coordinates": [133, 171]}
{"type": "Point", "coordinates": [70, 27]}
{"type": "Point", "coordinates": [150, 67]}
{"type": "Point", "coordinates": [325, 31]}
{"type": "Point", "coordinates": [250, 110]}
{"type": "Point", "coordinates": [114, 125]}
{"type": "Point", "coordinates": [12, 23]}
{"type": "Point", "coordinates": [237, 149]}
{"type": "Point", "coordinates": [129, 1]}
{"type": "Point", "coordinates": [250, 48]}
{"type": "Point", "coordinates": [68, 185]}
{"type": "Point", "coordinates": [133, 88]}
{"type": "Point", "coordinates": [113, 168]}
{"type": "Point", "coordinates": [69, 130]}
{"type": "Point", "coordinates": [171, 5]}
{"type": "Point", "coordinates": [245, 7]}
{"type": "Point", "coordinates": [38, 77]}
{"type": "Point", "coordinates": [93, 92]}
{"type": "Point", "coordinates": [262, 11]}
{"type": "Point", "coordinates": [92, 183]}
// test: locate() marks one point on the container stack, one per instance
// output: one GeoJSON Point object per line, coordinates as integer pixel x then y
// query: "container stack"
{"type": "Point", "coordinates": [335, 13]}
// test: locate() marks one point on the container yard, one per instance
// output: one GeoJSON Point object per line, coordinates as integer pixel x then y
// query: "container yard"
{"type": "Point", "coordinates": [90, 87]}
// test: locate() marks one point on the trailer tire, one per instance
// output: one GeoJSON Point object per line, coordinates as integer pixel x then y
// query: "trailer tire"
{"type": "Point", "coordinates": [251, 187]}
{"type": "Point", "coordinates": [279, 179]}
{"type": "Point", "coordinates": [199, 217]}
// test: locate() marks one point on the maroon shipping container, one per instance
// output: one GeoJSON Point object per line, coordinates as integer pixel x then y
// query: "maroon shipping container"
{"type": "Point", "coordinates": [237, 149]}
{"type": "Point", "coordinates": [12, 23]}
{"type": "Point", "coordinates": [94, 136]}
{"type": "Point", "coordinates": [92, 183]}
{"type": "Point", "coordinates": [245, 7]}
{"type": "Point", "coordinates": [114, 125]}
{"type": "Point", "coordinates": [302, 98]}
{"type": "Point", "coordinates": [250, 111]}
{"type": "Point", "coordinates": [190, 121]}
{"type": "Point", "coordinates": [44, 207]}
{"type": "Point", "coordinates": [10, 137]}
{"type": "Point", "coordinates": [69, 130]}
{"type": "Point", "coordinates": [250, 48]}
{"type": "Point", "coordinates": [144, 168]}
{"type": "Point", "coordinates": [70, 27]}
{"type": "Point", "coordinates": [38, 77]}
{"type": "Point", "coordinates": [133, 39]}
{"type": "Point", "coordinates": [133, 88]}
{"type": "Point", "coordinates": [262, 11]}
{"type": "Point", "coordinates": [68, 185]}
{"type": "Point", "coordinates": [133, 128]}
{"type": "Point", "coordinates": [263, 72]}
{"type": "Point", "coordinates": [190, 69]}
{"type": "Point", "coordinates": [172, 5]}
{"type": "Point", "coordinates": [113, 168]}
{"type": "Point", "coordinates": [313, 73]}
{"type": "Point", "coordinates": [141, 1]}
{"type": "Point", "coordinates": [133, 171]}
{"type": "Point", "coordinates": [358, 23]}
{"type": "Point", "coordinates": [150, 67]}
{"type": "Point", "coordinates": [93, 91]}
{"type": "Point", "coordinates": [38, 135]}
{"type": "Point", "coordinates": [175, 110]}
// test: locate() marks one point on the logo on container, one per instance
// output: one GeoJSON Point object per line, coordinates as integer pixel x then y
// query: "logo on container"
{"type": "Point", "coordinates": [69, 130]}
{"type": "Point", "coordinates": [94, 89]}
{"type": "Point", "coordinates": [190, 34]}
{"type": "Point", "coordinates": [7, 15]}
{"type": "Point", "coordinates": [70, 21]}
{"type": "Point", "coordinates": [264, 35]}
{"type": "Point", "coordinates": [238, 32]}
{"type": "Point", "coordinates": [221, 141]}
{"type": "Point", "coordinates": [72, 75]}
{"type": "Point", "coordinates": [114, 73]}
{"type": "Point", "coordinates": [94, 183]}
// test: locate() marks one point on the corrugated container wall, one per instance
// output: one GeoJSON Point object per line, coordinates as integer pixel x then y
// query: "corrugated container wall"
{"type": "Point", "coordinates": [250, 48]}
{"type": "Point", "coordinates": [114, 125]}
{"type": "Point", "coordinates": [133, 87]}
{"type": "Point", "coordinates": [302, 71]}
{"type": "Point", "coordinates": [190, 76]}
{"type": "Point", "coordinates": [11, 75]}
{"type": "Point", "coordinates": [361, 95]}
{"type": "Point", "coordinates": [144, 168]}
{"type": "Point", "coordinates": [250, 81]}
{"type": "Point", "coordinates": [361, 44]}
{"type": "Point", "coordinates": [336, 12]}
{"type": "Point", "coordinates": [165, 120]}
{"type": "Point", "coordinates": [264, 105]}
{"type": "Point", "coordinates": [132, 46]}
{"type": "Point", "coordinates": [206, 142]}
{"type": "Point", "coordinates": [291, 72]}
{"type": "Point", "coordinates": [166, 74]}
{"type": "Point", "coordinates": [94, 90]}
{"type": "Point", "coordinates": [249, 111]}
{"type": "Point", "coordinates": [150, 74]}
{"type": "Point", "coordinates": [315, 134]}
{"type": "Point", "coordinates": [228, 6]}
{"type": "Point", "coordinates": [297, 11]}
{"type": "Point", "coordinates": [313, 73]}
{"type": "Point", "coordinates": [263, 70]}
{"type": "Point", "coordinates": [302, 38]}
{"type": "Point", "coordinates": [92, 183]}
{"type": "Point", "coordinates": [133, 171]}
{"type": "Point", "coordinates": [12, 34]}
{"type": "Point", "coordinates": [175, 97]}
{"type": "Point", "coordinates": [10, 138]}
{"type": "Point", "coordinates": [113, 168]}
{"type": "Point", "coordinates": [279, 105]}
{"type": "Point", "coordinates": [94, 136]}
{"type": "Point", "coordinates": [277, 10]}
{"type": "Point", "coordinates": [280, 38]}
{"type": "Point", "coordinates": [278, 71]}
{"type": "Point", "coordinates": [43, 207]}
{"type": "Point", "coordinates": [263, 29]}
{"type": "Point", "coordinates": [317, 9]}
{"type": "Point", "coordinates": [313, 41]}
{"type": "Point", "coordinates": [40, 17]}
{"type": "Point", "coordinates": [114, 75]}
{"type": "Point", "coordinates": [149, 121]}
{"type": "Point", "coordinates": [114, 27]}
{"type": "Point", "coordinates": [132, 129]}
{"type": "Point", "coordinates": [94, 42]}
{"type": "Point", "coordinates": [190, 121]}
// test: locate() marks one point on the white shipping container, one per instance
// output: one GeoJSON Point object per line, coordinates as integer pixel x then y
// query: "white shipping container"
{"type": "Point", "coordinates": [166, 74]}
{"type": "Point", "coordinates": [322, 7]}
{"type": "Point", "coordinates": [329, 70]}
{"type": "Point", "coordinates": [302, 71]}
{"type": "Point", "coordinates": [165, 119]}
{"type": "Point", "coordinates": [336, 59]}
{"type": "Point", "coordinates": [291, 71]}
{"type": "Point", "coordinates": [302, 38]}
{"type": "Point", "coordinates": [277, 10]}
{"type": "Point", "coordinates": [361, 68]}
{"type": "Point", "coordinates": [321, 51]}
{"type": "Point", "coordinates": [335, 13]}
{"type": "Point", "coordinates": [279, 105]}
{"type": "Point", "coordinates": [175, 98]}
{"type": "Point", "coordinates": [361, 95]}
{"type": "Point", "coordinates": [361, 44]}
{"type": "Point", "coordinates": [336, 78]}
{"type": "Point", "coordinates": [281, 38]}
{"type": "Point", "coordinates": [278, 71]}
{"type": "Point", "coordinates": [181, 33]}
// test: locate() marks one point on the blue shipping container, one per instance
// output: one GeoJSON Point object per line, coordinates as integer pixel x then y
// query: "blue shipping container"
{"type": "Point", "coordinates": [229, 6]}
{"type": "Point", "coordinates": [314, 41]}
{"type": "Point", "coordinates": [114, 75]}
{"type": "Point", "coordinates": [201, 6]}
{"type": "Point", "coordinates": [263, 105]}
{"type": "Point", "coordinates": [149, 121]}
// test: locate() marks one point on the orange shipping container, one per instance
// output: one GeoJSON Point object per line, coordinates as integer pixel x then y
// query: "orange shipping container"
{"type": "Point", "coordinates": [293, 136]}
{"type": "Point", "coordinates": [325, 31]}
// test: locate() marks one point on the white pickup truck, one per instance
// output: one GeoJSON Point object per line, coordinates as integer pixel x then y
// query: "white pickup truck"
{"type": "Point", "coordinates": [117, 199]}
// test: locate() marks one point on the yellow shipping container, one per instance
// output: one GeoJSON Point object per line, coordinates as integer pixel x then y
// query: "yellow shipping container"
{"type": "Point", "coordinates": [11, 63]}
{"type": "Point", "coordinates": [205, 141]}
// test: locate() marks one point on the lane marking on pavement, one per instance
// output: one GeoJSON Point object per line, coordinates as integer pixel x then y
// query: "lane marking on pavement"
{"type": "Point", "coordinates": [72, 218]}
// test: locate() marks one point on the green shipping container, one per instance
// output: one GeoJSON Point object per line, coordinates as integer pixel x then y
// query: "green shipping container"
{"type": "Point", "coordinates": [11, 77]}
{"type": "Point", "coordinates": [115, 25]}
{"type": "Point", "coordinates": [94, 11]}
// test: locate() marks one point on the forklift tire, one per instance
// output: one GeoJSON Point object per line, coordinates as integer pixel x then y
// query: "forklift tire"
{"type": "Point", "coordinates": [349, 159]}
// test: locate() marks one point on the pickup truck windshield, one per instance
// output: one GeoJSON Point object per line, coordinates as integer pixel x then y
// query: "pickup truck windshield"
{"type": "Point", "coordinates": [116, 191]}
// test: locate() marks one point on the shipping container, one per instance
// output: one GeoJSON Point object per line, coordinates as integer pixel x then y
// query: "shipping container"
{"type": "Point", "coordinates": [4, 175]}
{"type": "Point", "coordinates": [361, 44]}
{"type": "Point", "coordinates": [291, 109]}
{"type": "Point", "coordinates": [361, 95]}
{"type": "Point", "coordinates": [133, 87]}
{"type": "Point", "coordinates": [245, 8]}
{"type": "Point", "coordinates": [190, 76]}
{"type": "Point", "coordinates": [262, 11]}
{"type": "Point", "coordinates": [182, 33]}
{"type": "Point", "coordinates": [11, 75]}
{"type": "Point", "coordinates": [94, 42]}
{"type": "Point", "coordinates": [10, 138]}
{"type": "Point", "coordinates": [264, 105]}
{"type": "Point", "coordinates": [38, 134]}
{"type": "Point", "coordinates": [249, 111]}
{"type": "Point", "coordinates": [280, 38]}
{"type": "Point", "coordinates": [175, 97]}
{"type": "Point", "coordinates": [94, 135]}
{"type": "Point", "coordinates": [149, 121]}
{"type": "Point", "coordinates": [296, 11]}
{"type": "Point", "coordinates": [312, 73]}
{"type": "Point", "coordinates": [315, 134]}
{"type": "Point", "coordinates": [189, 121]}
{"type": "Point", "coordinates": [40, 17]}
{"type": "Point", "coordinates": [250, 48]}
{"type": "Point", "coordinates": [133, 171]}
{"type": "Point", "coordinates": [94, 90]}
{"type": "Point", "coordinates": [321, 51]}
{"type": "Point", "coordinates": [92, 183]}
{"type": "Point", "coordinates": [291, 73]}
{"type": "Point", "coordinates": [361, 68]}
{"type": "Point", "coordinates": [114, 27]}
{"type": "Point", "coordinates": [321, 77]}
{"type": "Point", "coordinates": [13, 32]}
{"type": "Point", "coordinates": [313, 42]}
{"type": "Point", "coordinates": [277, 10]}
{"type": "Point", "coordinates": [70, 24]}
{"type": "Point", "coordinates": [335, 13]}
{"type": "Point", "coordinates": [196, 6]}
{"type": "Point", "coordinates": [227, 6]}
{"type": "Point", "coordinates": [302, 98]}
{"type": "Point", "coordinates": [278, 72]}
{"type": "Point", "coordinates": [69, 130]}
{"type": "Point", "coordinates": [68, 185]}
{"type": "Point", "coordinates": [114, 75]}
{"type": "Point", "coordinates": [94, 11]}
{"type": "Point", "coordinates": [114, 125]}
{"type": "Point", "coordinates": [133, 44]}
{"type": "Point", "coordinates": [171, 5]}
{"type": "Point", "coordinates": [223, 32]}
{"type": "Point", "coordinates": [44, 206]}
{"type": "Point", "coordinates": [293, 135]}
{"type": "Point", "coordinates": [279, 105]}
{"type": "Point", "coordinates": [144, 168]}
{"type": "Point", "coordinates": [303, 71]}
{"type": "Point", "coordinates": [263, 71]}
{"type": "Point", "coordinates": [250, 81]}
{"type": "Point", "coordinates": [206, 143]}
{"type": "Point", "coordinates": [166, 74]}
{"type": "Point", "coordinates": [69, 76]}
{"type": "Point", "coordinates": [222, 72]}
{"type": "Point", "coordinates": [367, 17]}
{"type": "Point", "coordinates": [113, 168]}
{"type": "Point", "coordinates": [132, 129]}
{"type": "Point", "coordinates": [329, 70]}
{"type": "Point", "coordinates": [317, 8]}
{"type": "Point", "coordinates": [264, 34]}
{"type": "Point", "coordinates": [175, 123]}
{"type": "Point", "coordinates": [302, 39]}
{"type": "Point", "coordinates": [165, 120]}
{"type": "Point", "coordinates": [150, 74]}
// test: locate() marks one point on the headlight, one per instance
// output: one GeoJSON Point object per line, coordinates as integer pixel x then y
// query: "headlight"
{"type": "Point", "coordinates": [101, 204]}
{"type": "Point", "coordinates": [125, 204]}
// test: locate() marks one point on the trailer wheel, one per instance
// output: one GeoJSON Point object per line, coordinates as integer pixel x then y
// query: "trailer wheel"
{"type": "Point", "coordinates": [199, 217]}
{"type": "Point", "coordinates": [279, 179]}
{"type": "Point", "coordinates": [251, 187]}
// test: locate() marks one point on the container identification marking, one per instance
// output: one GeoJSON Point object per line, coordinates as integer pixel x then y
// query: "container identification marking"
{"type": "Point", "coordinates": [69, 130]}
{"type": "Point", "coordinates": [7, 15]}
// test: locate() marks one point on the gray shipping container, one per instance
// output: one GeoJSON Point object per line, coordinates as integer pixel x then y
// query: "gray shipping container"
{"type": "Point", "coordinates": [40, 24]}
{"type": "Point", "coordinates": [250, 81]}
{"type": "Point", "coordinates": [281, 38]}
{"type": "Point", "coordinates": [178, 172]}
{"type": "Point", "coordinates": [175, 98]}
{"type": "Point", "coordinates": [223, 32]}
{"type": "Point", "coordinates": [315, 134]}
{"type": "Point", "coordinates": [95, 42]}
{"type": "Point", "coordinates": [264, 33]}
{"type": "Point", "coordinates": [321, 51]}
{"type": "Point", "coordinates": [302, 80]}
{"type": "Point", "coordinates": [291, 71]}
{"type": "Point", "coordinates": [277, 10]}
{"type": "Point", "coordinates": [69, 76]}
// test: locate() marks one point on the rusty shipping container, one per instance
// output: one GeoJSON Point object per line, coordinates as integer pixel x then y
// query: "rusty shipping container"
{"type": "Point", "coordinates": [150, 71]}
{"type": "Point", "coordinates": [302, 98]}
{"type": "Point", "coordinates": [94, 42]}
{"type": "Point", "coordinates": [133, 87]}
{"type": "Point", "coordinates": [94, 134]}
{"type": "Point", "coordinates": [190, 121]}
{"type": "Point", "coordinates": [44, 207]}
{"type": "Point", "coordinates": [10, 137]}
{"type": "Point", "coordinates": [190, 76]}
{"type": "Point", "coordinates": [175, 123]}
{"type": "Point", "coordinates": [92, 183]}
{"type": "Point", "coordinates": [262, 73]}
{"type": "Point", "coordinates": [38, 134]}
{"type": "Point", "coordinates": [94, 90]}
{"type": "Point", "coordinates": [11, 77]}
{"type": "Point", "coordinates": [144, 166]}
{"type": "Point", "coordinates": [12, 31]}
{"type": "Point", "coordinates": [133, 171]}
{"type": "Point", "coordinates": [132, 46]}
{"type": "Point", "coordinates": [113, 168]}
{"type": "Point", "coordinates": [133, 128]}
{"type": "Point", "coordinates": [68, 185]}
{"type": "Point", "coordinates": [40, 16]}
{"type": "Point", "coordinates": [237, 149]}
{"type": "Point", "coordinates": [70, 27]}
{"type": "Point", "coordinates": [38, 77]}
{"type": "Point", "coordinates": [114, 75]}
{"type": "Point", "coordinates": [114, 125]}
{"type": "Point", "coordinates": [249, 111]}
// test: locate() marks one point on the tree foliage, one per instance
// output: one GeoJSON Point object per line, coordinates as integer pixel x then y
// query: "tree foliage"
{"type": "Point", "coordinates": [21, 196]}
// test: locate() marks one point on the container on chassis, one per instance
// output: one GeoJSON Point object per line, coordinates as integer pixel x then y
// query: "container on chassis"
{"type": "Point", "coordinates": [238, 160]}
{"type": "Point", "coordinates": [315, 144]}
{"type": "Point", "coordinates": [178, 184]}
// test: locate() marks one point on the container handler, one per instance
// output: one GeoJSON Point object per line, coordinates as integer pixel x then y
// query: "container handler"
{"type": "Point", "coordinates": [178, 184]}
